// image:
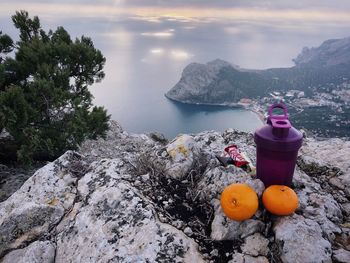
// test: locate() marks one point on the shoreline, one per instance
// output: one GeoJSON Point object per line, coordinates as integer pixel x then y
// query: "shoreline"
{"type": "Point", "coordinates": [259, 114]}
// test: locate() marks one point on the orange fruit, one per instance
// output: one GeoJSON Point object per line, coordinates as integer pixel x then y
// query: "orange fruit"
{"type": "Point", "coordinates": [280, 200]}
{"type": "Point", "coordinates": [239, 201]}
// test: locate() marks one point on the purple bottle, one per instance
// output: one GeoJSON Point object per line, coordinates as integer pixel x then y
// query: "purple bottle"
{"type": "Point", "coordinates": [277, 145]}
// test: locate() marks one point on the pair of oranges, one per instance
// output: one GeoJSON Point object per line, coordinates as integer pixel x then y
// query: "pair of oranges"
{"type": "Point", "coordinates": [240, 202]}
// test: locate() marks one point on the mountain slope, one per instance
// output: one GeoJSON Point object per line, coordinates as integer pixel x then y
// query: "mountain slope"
{"type": "Point", "coordinates": [219, 82]}
{"type": "Point", "coordinates": [329, 53]}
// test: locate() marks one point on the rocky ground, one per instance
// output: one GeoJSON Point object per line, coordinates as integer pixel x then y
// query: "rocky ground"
{"type": "Point", "coordinates": [13, 177]}
{"type": "Point", "coordinates": [140, 198]}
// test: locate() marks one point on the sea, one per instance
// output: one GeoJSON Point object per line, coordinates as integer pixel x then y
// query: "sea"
{"type": "Point", "coordinates": [145, 57]}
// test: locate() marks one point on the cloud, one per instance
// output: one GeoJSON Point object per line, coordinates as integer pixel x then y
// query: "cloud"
{"type": "Point", "coordinates": [160, 34]}
{"type": "Point", "coordinates": [192, 11]}
{"type": "Point", "coordinates": [265, 4]}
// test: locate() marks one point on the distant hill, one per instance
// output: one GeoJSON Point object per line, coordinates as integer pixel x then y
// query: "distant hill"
{"type": "Point", "coordinates": [220, 82]}
{"type": "Point", "coordinates": [330, 53]}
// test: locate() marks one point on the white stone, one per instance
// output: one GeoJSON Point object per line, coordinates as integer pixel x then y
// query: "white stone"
{"type": "Point", "coordinates": [116, 223]}
{"type": "Point", "coordinates": [183, 151]}
{"type": "Point", "coordinates": [38, 205]}
{"type": "Point", "coordinates": [237, 258]}
{"type": "Point", "coordinates": [38, 251]}
{"type": "Point", "coordinates": [251, 226]}
{"type": "Point", "coordinates": [326, 212]}
{"type": "Point", "coordinates": [341, 255]}
{"type": "Point", "coordinates": [255, 245]}
{"type": "Point", "coordinates": [223, 228]}
{"type": "Point", "coordinates": [145, 177]}
{"type": "Point", "coordinates": [250, 259]}
{"type": "Point", "coordinates": [301, 240]}
{"type": "Point", "coordinates": [257, 185]}
{"type": "Point", "coordinates": [214, 181]}
{"type": "Point", "coordinates": [241, 258]}
{"type": "Point", "coordinates": [335, 152]}
{"type": "Point", "coordinates": [188, 231]}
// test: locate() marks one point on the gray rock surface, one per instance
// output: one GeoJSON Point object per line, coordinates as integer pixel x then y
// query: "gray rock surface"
{"type": "Point", "coordinates": [117, 201]}
{"type": "Point", "coordinates": [225, 229]}
{"type": "Point", "coordinates": [182, 151]}
{"type": "Point", "coordinates": [12, 178]}
{"type": "Point", "coordinates": [115, 220]}
{"type": "Point", "coordinates": [241, 258]}
{"type": "Point", "coordinates": [39, 204]}
{"type": "Point", "coordinates": [301, 240]}
{"type": "Point", "coordinates": [255, 245]}
{"type": "Point", "coordinates": [36, 252]}
{"type": "Point", "coordinates": [341, 256]}
{"type": "Point", "coordinates": [195, 80]}
{"type": "Point", "coordinates": [332, 152]}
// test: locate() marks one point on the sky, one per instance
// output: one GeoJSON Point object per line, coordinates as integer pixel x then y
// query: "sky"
{"type": "Point", "coordinates": [148, 43]}
{"type": "Point", "coordinates": [336, 10]}
{"type": "Point", "coordinates": [257, 23]}
{"type": "Point", "coordinates": [336, 4]}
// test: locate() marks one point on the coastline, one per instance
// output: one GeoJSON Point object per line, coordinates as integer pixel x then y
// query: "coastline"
{"type": "Point", "coordinates": [258, 112]}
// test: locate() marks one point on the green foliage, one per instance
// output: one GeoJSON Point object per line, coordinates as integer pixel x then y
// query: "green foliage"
{"type": "Point", "coordinates": [6, 43]}
{"type": "Point", "coordinates": [45, 103]}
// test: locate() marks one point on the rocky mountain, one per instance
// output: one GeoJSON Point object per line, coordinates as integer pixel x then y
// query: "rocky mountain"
{"type": "Point", "coordinates": [140, 198]}
{"type": "Point", "coordinates": [330, 53]}
{"type": "Point", "coordinates": [218, 82]}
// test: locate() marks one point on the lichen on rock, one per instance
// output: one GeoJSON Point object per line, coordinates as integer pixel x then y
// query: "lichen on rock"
{"type": "Point", "coordinates": [137, 198]}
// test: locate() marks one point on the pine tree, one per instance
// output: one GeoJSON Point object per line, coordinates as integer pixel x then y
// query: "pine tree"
{"type": "Point", "coordinates": [45, 103]}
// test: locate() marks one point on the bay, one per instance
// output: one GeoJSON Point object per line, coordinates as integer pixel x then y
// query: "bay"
{"type": "Point", "coordinates": [146, 56]}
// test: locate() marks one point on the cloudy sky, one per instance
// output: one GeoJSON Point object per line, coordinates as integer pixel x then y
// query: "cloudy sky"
{"type": "Point", "coordinates": [208, 3]}
{"type": "Point", "coordinates": [256, 9]}
{"type": "Point", "coordinates": [257, 24]}
{"type": "Point", "coordinates": [148, 43]}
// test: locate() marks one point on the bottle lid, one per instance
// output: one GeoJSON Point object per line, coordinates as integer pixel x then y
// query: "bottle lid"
{"type": "Point", "coordinates": [278, 134]}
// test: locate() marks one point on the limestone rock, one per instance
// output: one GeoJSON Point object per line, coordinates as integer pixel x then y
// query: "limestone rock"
{"type": "Point", "coordinates": [326, 211]}
{"type": "Point", "coordinates": [115, 204]}
{"type": "Point", "coordinates": [334, 152]}
{"type": "Point", "coordinates": [251, 226]}
{"type": "Point", "coordinates": [301, 240]}
{"type": "Point", "coordinates": [39, 204]}
{"type": "Point", "coordinates": [12, 178]}
{"type": "Point", "coordinates": [241, 258]}
{"type": "Point", "coordinates": [195, 80]}
{"type": "Point", "coordinates": [255, 245]}
{"type": "Point", "coordinates": [224, 228]}
{"type": "Point", "coordinates": [116, 223]}
{"type": "Point", "coordinates": [257, 185]}
{"type": "Point", "coordinates": [38, 251]}
{"type": "Point", "coordinates": [341, 256]}
{"type": "Point", "coordinates": [260, 259]}
{"type": "Point", "coordinates": [118, 144]}
{"type": "Point", "coordinates": [214, 181]}
{"type": "Point", "coordinates": [182, 151]}
{"type": "Point", "coordinates": [237, 258]}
